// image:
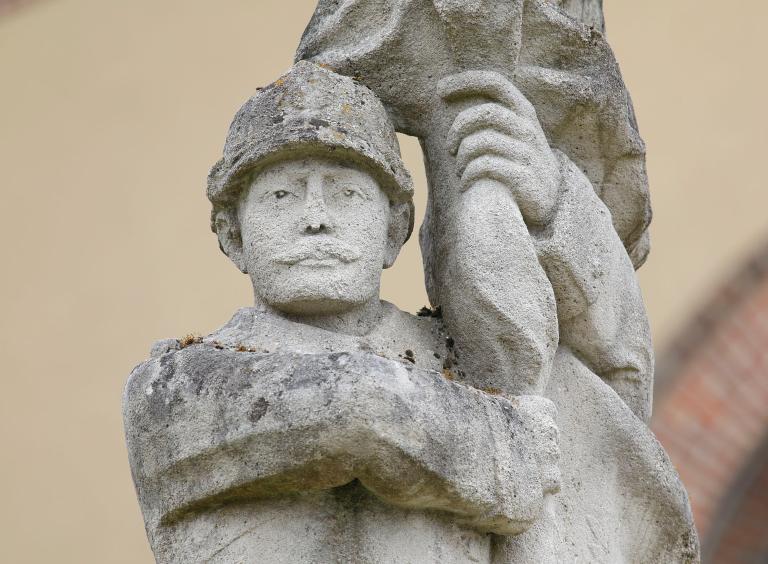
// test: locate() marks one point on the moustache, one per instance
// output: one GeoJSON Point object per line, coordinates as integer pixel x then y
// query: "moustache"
{"type": "Point", "coordinates": [322, 249]}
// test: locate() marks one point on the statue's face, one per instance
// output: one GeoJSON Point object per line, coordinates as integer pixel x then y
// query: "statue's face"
{"type": "Point", "coordinates": [314, 235]}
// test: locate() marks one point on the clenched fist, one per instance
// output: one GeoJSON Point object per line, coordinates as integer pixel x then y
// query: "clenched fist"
{"type": "Point", "coordinates": [502, 140]}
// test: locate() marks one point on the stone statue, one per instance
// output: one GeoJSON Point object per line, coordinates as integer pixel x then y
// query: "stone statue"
{"type": "Point", "coordinates": [507, 423]}
{"type": "Point", "coordinates": [438, 63]}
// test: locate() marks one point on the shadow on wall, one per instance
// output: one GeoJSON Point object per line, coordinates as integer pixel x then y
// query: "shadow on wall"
{"type": "Point", "coordinates": [8, 6]}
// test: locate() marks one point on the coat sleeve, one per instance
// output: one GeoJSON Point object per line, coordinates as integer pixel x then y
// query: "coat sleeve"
{"type": "Point", "coordinates": [601, 315]}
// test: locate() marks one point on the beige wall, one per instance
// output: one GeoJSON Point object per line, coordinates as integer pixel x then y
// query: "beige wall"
{"type": "Point", "coordinates": [111, 113]}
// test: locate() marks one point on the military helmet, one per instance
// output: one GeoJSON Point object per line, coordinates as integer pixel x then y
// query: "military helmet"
{"type": "Point", "coordinates": [310, 110]}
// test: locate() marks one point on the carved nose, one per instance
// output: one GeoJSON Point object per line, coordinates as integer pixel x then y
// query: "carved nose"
{"type": "Point", "coordinates": [316, 218]}
{"type": "Point", "coordinates": [315, 228]}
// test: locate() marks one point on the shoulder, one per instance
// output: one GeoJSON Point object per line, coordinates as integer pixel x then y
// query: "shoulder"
{"type": "Point", "coordinates": [166, 354]}
{"type": "Point", "coordinates": [419, 339]}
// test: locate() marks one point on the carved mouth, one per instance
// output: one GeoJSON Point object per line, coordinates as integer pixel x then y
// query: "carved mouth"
{"type": "Point", "coordinates": [328, 252]}
{"type": "Point", "coordinates": [326, 262]}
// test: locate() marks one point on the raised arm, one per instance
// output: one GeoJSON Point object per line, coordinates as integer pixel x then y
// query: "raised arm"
{"type": "Point", "coordinates": [499, 142]}
{"type": "Point", "coordinates": [600, 308]}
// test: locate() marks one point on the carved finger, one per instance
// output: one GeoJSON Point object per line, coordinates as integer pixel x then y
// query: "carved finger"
{"type": "Point", "coordinates": [489, 142]}
{"type": "Point", "coordinates": [509, 173]}
{"type": "Point", "coordinates": [489, 116]}
{"type": "Point", "coordinates": [534, 202]}
{"type": "Point", "coordinates": [487, 84]}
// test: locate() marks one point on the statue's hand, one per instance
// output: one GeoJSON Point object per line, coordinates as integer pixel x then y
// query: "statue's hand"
{"type": "Point", "coordinates": [544, 435]}
{"type": "Point", "coordinates": [502, 140]}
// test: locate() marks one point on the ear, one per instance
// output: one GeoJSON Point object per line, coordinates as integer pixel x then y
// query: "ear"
{"type": "Point", "coordinates": [227, 227]}
{"type": "Point", "coordinates": [397, 233]}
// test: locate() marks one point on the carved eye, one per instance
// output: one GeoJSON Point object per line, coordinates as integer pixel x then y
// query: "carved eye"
{"type": "Point", "coordinates": [351, 193]}
{"type": "Point", "coordinates": [280, 194]}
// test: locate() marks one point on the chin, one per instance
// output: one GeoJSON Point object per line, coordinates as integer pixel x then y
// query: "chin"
{"type": "Point", "coordinates": [314, 306]}
{"type": "Point", "coordinates": [317, 292]}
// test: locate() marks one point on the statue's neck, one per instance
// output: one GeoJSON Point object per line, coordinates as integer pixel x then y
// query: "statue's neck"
{"type": "Point", "coordinates": [358, 320]}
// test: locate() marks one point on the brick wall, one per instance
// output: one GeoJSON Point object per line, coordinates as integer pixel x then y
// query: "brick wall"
{"type": "Point", "coordinates": [711, 412]}
{"type": "Point", "coordinates": [744, 534]}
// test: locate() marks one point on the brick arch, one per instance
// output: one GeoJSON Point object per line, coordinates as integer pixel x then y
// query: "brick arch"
{"type": "Point", "coordinates": [739, 534]}
{"type": "Point", "coordinates": [712, 401]}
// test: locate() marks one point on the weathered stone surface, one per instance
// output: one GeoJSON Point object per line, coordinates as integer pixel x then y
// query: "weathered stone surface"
{"type": "Point", "coordinates": [507, 423]}
{"type": "Point", "coordinates": [448, 70]}
{"type": "Point", "coordinates": [621, 500]}
{"type": "Point", "coordinates": [235, 451]}
{"type": "Point", "coordinates": [588, 11]}
{"type": "Point", "coordinates": [309, 111]}
{"type": "Point", "coordinates": [247, 426]}
{"type": "Point", "coordinates": [401, 49]}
